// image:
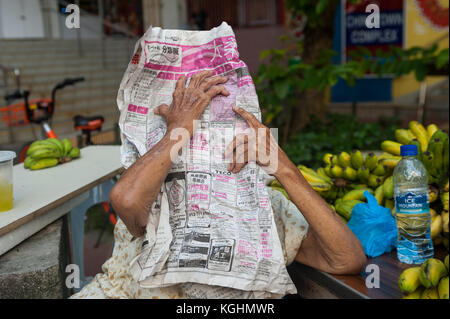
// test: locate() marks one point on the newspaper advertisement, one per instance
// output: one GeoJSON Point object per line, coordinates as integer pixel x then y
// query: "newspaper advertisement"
{"type": "Point", "coordinates": [208, 227]}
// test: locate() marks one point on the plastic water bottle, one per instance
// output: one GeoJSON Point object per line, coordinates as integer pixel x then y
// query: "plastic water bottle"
{"type": "Point", "coordinates": [412, 208]}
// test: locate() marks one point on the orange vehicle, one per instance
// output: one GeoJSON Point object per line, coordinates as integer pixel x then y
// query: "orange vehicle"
{"type": "Point", "coordinates": [40, 112]}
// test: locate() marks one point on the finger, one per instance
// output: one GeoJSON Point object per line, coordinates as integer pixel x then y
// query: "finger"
{"type": "Point", "coordinates": [208, 83]}
{"type": "Point", "coordinates": [216, 90]}
{"type": "Point", "coordinates": [162, 110]}
{"type": "Point", "coordinates": [241, 154]}
{"type": "Point", "coordinates": [198, 78]}
{"type": "Point", "coordinates": [249, 117]}
{"type": "Point", "coordinates": [238, 140]}
{"type": "Point", "coordinates": [181, 83]}
{"type": "Point", "coordinates": [238, 167]}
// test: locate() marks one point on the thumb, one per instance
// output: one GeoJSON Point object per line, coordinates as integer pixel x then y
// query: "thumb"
{"type": "Point", "coordinates": [162, 110]}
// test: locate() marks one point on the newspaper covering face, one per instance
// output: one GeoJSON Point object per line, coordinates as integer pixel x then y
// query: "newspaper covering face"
{"type": "Point", "coordinates": [211, 230]}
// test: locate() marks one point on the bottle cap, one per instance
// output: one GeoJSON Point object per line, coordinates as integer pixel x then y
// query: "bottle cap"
{"type": "Point", "coordinates": [409, 150]}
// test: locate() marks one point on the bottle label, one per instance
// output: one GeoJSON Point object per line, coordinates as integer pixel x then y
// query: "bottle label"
{"type": "Point", "coordinates": [411, 203]}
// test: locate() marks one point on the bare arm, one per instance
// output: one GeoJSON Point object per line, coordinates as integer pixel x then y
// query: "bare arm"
{"type": "Point", "coordinates": [329, 245]}
{"type": "Point", "coordinates": [137, 189]}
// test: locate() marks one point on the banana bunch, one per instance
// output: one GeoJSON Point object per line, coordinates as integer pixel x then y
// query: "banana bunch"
{"type": "Point", "coordinates": [432, 143]}
{"type": "Point", "coordinates": [49, 153]}
{"type": "Point", "coordinates": [428, 281]}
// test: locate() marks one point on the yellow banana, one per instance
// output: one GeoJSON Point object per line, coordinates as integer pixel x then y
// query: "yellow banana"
{"type": "Point", "coordinates": [388, 188]}
{"type": "Point", "coordinates": [432, 212]}
{"type": "Point", "coordinates": [276, 183]}
{"type": "Point", "coordinates": [379, 195]}
{"type": "Point", "coordinates": [433, 194]}
{"type": "Point", "coordinates": [430, 293]}
{"type": "Point", "coordinates": [327, 158]}
{"type": "Point", "coordinates": [391, 147]}
{"type": "Point", "coordinates": [431, 272]}
{"type": "Point", "coordinates": [403, 136]}
{"type": "Point", "coordinates": [436, 226]}
{"type": "Point", "coordinates": [421, 134]}
{"type": "Point", "coordinates": [345, 159]}
{"type": "Point", "coordinates": [417, 294]}
{"type": "Point", "coordinates": [391, 162]}
{"type": "Point", "coordinates": [389, 203]}
{"type": "Point", "coordinates": [311, 176]}
{"type": "Point", "coordinates": [44, 163]}
{"type": "Point", "coordinates": [409, 280]}
{"type": "Point", "coordinates": [446, 187]}
{"type": "Point", "coordinates": [321, 172]}
{"type": "Point", "coordinates": [445, 217]}
{"type": "Point", "coordinates": [431, 129]}
{"type": "Point", "coordinates": [443, 288]}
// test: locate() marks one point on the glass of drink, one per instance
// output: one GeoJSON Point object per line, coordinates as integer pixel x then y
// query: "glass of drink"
{"type": "Point", "coordinates": [6, 180]}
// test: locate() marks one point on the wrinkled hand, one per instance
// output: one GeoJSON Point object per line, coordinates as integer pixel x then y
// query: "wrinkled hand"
{"type": "Point", "coordinates": [189, 103]}
{"type": "Point", "coordinates": [258, 145]}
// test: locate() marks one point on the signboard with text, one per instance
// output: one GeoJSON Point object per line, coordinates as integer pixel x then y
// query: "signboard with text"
{"type": "Point", "coordinates": [356, 32]}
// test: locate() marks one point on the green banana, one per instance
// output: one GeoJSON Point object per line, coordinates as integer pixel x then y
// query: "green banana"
{"type": "Point", "coordinates": [446, 262]}
{"type": "Point", "coordinates": [433, 194]}
{"type": "Point", "coordinates": [409, 280]}
{"type": "Point", "coordinates": [428, 162]}
{"type": "Point", "coordinates": [45, 153]}
{"type": "Point", "coordinates": [67, 146]}
{"type": "Point", "coordinates": [356, 194]}
{"type": "Point", "coordinates": [328, 170]}
{"type": "Point", "coordinates": [44, 163]}
{"type": "Point", "coordinates": [445, 156]}
{"type": "Point", "coordinates": [436, 147]}
{"type": "Point", "coordinates": [364, 174]}
{"type": "Point", "coordinates": [58, 144]}
{"type": "Point", "coordinates": [75, 152]}
{"type": "Point", "coordinates": [430, 293]}
{"type": "Point", "coordinates": [344, 159]}
{"type": "Point", "coordinates": [431, 272]}
{"type": "Point", "coordinates": [374, 181]}
{"type": "Point", "coordinates": [345, 207]}
{"type": "Point", "coordinates": [389, 203]}
{"type": "Point", "coordinates": [440, 135]}
{"type": "Point", "coordinates": [27, 162]}
{"type": "Point", "coordinates": [349, 173]}
{"type": "Point", "coordinates": [380, 170]}
{"type": "Point", "coordinates": [276, 183]}
{"type": "Point", "coordinates": [391, 147]}
{"type": "Point", "coordinates": [444, 199]}
{"type": "Point", "coordinates": [357, 159]}
{"type": "Point", "coordinates": [443, 288]}
{"type": "Point", "coordinates": [388, 188]}
{"type": "Point", "coordinates": [379, 195]}
{"type": "Point", "coordinates": [420, 150]}
{"type": "Point", "coordinates": [335, 160]}
{"type": "Point", "coordinates": [371, 161]}
{"type": "Point", "coordinates": [38, 145]}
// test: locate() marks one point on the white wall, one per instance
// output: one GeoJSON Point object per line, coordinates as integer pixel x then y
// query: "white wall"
{"type": "Point", "coordinates": [173, 14]}
{"type": "Point", "coordinates": [21, 19]}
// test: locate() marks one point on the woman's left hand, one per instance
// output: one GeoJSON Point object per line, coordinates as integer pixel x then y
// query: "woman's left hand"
{"type": "Point", "coordinates": [258, 145]}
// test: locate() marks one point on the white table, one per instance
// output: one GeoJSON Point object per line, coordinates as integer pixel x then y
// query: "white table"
{"type": "Point", "coordinates": [41, 197]}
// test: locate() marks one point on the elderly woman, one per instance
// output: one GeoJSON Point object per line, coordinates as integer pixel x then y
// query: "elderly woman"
{"type": "Point", "coordinates": [310, 232]}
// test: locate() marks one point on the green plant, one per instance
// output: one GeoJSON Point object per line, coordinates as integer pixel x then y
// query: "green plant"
{"type": "Point", "coordinates": [339, 132]}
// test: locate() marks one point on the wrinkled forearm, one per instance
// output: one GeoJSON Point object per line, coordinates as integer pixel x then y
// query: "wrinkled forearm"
{"type": "Point", "coordinates": [140, 184]}
{"type": "Point", "coordinates": [330, 245]}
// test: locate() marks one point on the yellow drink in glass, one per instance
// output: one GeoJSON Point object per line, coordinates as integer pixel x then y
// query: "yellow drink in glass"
{"type": "Point", "coordinates": [6, 197]}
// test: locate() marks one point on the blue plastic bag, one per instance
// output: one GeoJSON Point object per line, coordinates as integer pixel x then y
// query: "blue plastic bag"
{"type": "Point", "coordinates": [374, 226]}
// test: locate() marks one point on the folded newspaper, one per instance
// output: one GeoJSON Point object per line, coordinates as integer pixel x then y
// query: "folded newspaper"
{"type": "Point", "coordinates": [208, 227]}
